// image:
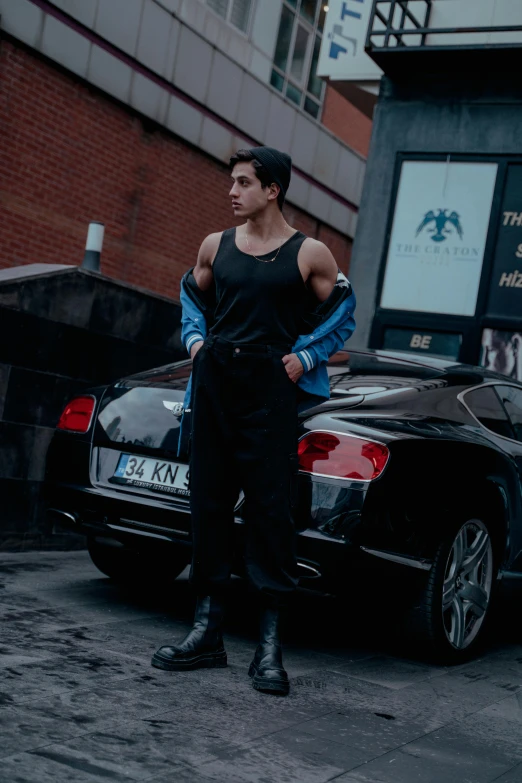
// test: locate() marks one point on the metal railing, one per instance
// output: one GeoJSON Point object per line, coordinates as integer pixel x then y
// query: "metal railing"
{"type": "Point", "coordinates": [404, 24]}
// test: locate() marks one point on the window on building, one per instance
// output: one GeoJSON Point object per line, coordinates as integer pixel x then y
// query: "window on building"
{"type": "Point", "coordinates": [236, 12]}
{"type": "Point", "coordinates": [294, 71]}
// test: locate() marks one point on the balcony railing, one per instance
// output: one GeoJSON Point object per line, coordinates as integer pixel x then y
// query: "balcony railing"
{"type": "Point", "coordinates": [401, 24]}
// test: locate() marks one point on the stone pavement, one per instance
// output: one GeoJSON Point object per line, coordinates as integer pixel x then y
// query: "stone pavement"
{"type": "Point", "coordinates": [80, 702]}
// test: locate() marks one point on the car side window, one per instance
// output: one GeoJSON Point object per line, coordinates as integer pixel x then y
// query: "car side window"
{"type": "Point", "coordinates": [486, 406]}
{"type": "Point", "coordinates": [512, 400]}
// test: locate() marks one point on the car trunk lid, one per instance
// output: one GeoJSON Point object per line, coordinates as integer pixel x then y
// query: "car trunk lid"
{"type": "Point", "coordinates": [136, 441]}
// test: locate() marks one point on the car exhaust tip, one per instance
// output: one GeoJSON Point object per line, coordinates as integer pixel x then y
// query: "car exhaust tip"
{"type": "Point", "coordinates": [306, 571]}
{"type": "Point", "coordinates": [67, 517]}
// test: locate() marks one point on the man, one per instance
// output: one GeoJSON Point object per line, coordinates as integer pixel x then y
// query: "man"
{"type": "Point", "coordinates": [502, 352]}
{"type": "Point", "coordinates": [263, 306]}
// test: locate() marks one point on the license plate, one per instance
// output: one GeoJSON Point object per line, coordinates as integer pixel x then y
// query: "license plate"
{"type": "Point", "coordinates": [159, 475]}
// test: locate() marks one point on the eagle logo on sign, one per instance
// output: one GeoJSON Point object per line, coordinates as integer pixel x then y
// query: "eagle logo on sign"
{"type": "Point", "coordinates": [439, 232]}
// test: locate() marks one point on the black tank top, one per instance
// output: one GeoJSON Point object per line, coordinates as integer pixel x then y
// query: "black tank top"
{"type": "Point", "coordinates": [256, 301]}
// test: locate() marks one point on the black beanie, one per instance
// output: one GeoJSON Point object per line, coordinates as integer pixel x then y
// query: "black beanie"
{"type": "Point", "coordinates": [278, 164]}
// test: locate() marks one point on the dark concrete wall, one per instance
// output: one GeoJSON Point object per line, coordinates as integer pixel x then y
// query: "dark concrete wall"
{"type": "Point", "coordinates": [60, 333]}
{"type": "Point", "coordinates": [446, 115]}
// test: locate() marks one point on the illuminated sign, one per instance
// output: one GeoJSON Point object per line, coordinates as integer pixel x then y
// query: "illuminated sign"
{"type": "Point", "coordinates": [505, 293]}
{"type": "Point", "coordinates": [443, 344]}
{"type": "Point", "coordinates": [438, 236]}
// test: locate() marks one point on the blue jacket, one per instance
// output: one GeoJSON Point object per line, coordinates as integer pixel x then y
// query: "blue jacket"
{"type": "Point", "coordinates": [331, 324]}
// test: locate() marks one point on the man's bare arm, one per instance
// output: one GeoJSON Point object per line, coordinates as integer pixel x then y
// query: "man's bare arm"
{"type": "Point", "coordinates": [203, 272]}
{"type": "Point", "coordinates": [320, 263]}
{"type": "Point", "coordinates": [203, 269]}
{"type": "Point", "coordinates": [318, 266]}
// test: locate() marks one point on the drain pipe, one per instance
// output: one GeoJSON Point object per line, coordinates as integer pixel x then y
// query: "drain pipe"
{"type": "Point", "coordinates": [93, 246]}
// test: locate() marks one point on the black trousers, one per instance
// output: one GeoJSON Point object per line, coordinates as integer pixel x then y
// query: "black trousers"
{"type": "Point", "coordinates": [244, 437]}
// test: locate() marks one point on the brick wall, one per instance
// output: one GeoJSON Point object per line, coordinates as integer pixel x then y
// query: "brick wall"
{"type": "Point", "coordinates": [338, 244]}
{"type": "Point", "coordinates": [69, 155]}
{"type": "Point", "coordinates": [346, 121]}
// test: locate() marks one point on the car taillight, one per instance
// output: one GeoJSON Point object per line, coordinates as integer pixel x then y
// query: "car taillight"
{"type": "Point", "coordinates": [77, 415]}
{"type": "Point", "coordinates": [341, 456]}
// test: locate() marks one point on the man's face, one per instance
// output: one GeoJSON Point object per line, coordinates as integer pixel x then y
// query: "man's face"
{"type": "Point", "coordinates": [499, 355]}
{"type": "Point", "coordinates": [248, 196]}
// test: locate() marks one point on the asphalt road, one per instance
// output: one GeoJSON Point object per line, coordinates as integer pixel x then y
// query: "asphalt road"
{"type": "Point", "coordinates": [79, 700]}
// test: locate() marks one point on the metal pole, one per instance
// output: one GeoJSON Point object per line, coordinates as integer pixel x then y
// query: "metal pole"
{"type": "Point", "coordinates": [93, 246]}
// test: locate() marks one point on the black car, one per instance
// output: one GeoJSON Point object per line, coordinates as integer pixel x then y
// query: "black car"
{"type": "Point", "coordinates": [411, 473]}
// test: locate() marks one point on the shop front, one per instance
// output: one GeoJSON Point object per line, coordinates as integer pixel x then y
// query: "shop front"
{"type": "Point", "coordinates": [451, 273]}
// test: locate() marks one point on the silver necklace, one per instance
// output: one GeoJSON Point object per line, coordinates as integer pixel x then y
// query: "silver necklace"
{"type": "Point", "coordinates": [265, 260]}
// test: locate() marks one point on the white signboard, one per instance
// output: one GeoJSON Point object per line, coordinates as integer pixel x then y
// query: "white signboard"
{"type": "Point", "coordinates": [475, 13]}
{"type": "Point", "coordinates": [342, 53]}
{"type": "Point", "coordinates": [438, 237]}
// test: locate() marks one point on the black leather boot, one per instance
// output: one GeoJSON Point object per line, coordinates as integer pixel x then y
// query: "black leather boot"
{"type": "Point", "coordinates": [266, 669]}
{"type": "Point", "coordinates": [203, 647]}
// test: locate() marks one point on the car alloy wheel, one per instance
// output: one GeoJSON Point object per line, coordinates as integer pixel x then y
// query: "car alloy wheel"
{"type": "Point", "coordinates": [467, 585]}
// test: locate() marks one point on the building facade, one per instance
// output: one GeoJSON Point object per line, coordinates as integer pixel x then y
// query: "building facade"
{"type": "Point", "coordinates": [437, 262]}
{"type": "Point", "coordinates": [127, 111]}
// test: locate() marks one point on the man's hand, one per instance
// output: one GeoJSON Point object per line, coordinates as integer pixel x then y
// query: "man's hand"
{"type": "Point", "coordinates": [294, 368]}
{"type": "Point", "coordinates": [195, 348]}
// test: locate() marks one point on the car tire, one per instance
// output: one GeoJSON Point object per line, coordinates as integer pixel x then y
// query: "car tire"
{"type": "Point", "coordinates": [122, 564]}
{"type": "Point", "coordinates": [451, 612]}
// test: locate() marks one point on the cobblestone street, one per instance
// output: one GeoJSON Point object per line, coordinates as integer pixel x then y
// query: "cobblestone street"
{"type": "Point", "coordinates": [80, 701]}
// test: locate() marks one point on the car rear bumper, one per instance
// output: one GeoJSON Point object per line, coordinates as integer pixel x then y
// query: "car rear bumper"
{"type": "Point", "coordinates": [325, 552]}
{"type": "Point", "coordinates": [333, 545]}
{"type": "Point", "coordinates": [91, 511]}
